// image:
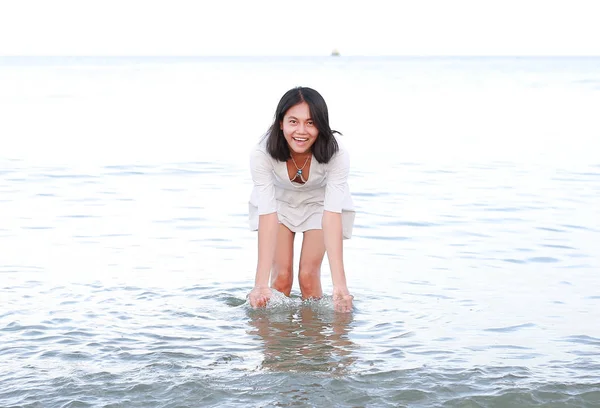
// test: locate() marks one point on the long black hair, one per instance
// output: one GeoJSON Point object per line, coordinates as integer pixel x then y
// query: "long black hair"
{"type": "Point", "coordinates": [324, 147]}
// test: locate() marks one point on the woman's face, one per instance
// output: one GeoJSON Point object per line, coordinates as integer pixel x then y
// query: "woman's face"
{"type": "Point", "coordinates": [299, 129]}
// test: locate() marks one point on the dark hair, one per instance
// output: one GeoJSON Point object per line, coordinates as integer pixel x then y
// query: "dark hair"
{"type": "Point", "coordinates": [324, 147]}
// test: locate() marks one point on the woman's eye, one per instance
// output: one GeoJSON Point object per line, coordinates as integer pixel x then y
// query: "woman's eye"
{"type": "Point", "coordinates": [309, 123]}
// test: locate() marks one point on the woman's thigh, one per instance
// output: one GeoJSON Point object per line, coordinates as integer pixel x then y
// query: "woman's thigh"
{"type": "Point", "coordinates": [313, 251]}
{"type": "Point", "coordinates": [309, 276]}
{"type": "Point", "coordinates": [284, 251]}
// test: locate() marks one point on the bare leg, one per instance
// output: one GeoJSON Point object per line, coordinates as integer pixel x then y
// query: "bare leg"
{"type": "Point", "coordinates": [311, 258]}
{"type": "Point", "coordinates": [282, 274]}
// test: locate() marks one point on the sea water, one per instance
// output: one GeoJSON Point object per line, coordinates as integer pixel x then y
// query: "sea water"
{"type": "Point", "coordinates": [126, 258]}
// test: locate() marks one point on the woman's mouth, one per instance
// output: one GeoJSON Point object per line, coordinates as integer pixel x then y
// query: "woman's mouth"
{"type": "Point", "coordinates": [300, 141]}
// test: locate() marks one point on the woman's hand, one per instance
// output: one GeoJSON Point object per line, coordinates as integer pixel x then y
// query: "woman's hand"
{"type": "Point", "coordinates": [259, 296]}
{"type": "Point", "coordinates": [342, 300]}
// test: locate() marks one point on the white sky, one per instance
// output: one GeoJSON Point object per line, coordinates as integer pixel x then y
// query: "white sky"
{"type": "Point", "coordinates": [309, 27]}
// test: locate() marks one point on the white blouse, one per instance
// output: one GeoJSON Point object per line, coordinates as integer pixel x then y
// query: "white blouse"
{"type": "Point", "coordinates": [300, 206]}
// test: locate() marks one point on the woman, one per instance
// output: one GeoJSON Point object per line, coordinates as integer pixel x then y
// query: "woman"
{"type": "Point", "coordinates": [300, 172]}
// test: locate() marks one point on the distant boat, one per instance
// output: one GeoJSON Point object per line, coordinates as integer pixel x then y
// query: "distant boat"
{"type": "Point", "coordinates": [335, 53]}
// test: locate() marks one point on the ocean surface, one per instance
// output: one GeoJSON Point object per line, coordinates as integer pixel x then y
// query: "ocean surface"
{"type": "Point", "coordinates": [126, 257]}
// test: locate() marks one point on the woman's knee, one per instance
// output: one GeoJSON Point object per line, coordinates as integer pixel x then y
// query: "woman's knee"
{"type": "Point", "coordinates": [283, 279]}
{"type": "Point", "coordinates": [310, 279]}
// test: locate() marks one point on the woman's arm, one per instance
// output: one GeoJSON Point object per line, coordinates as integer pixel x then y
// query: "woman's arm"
{"type": "Point", "coordinates": [337, 186]}
{"type": "Point", "coordinates": [332, 231]}
{"type": "Point", "coordinates": [262, 179]}
{"type": "Point", "coordinates": [267, 239]}
{"type": "Point", "coordinates": [267, 236]}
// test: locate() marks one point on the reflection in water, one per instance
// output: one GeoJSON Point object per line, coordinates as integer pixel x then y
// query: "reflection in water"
{"type": "Point", "coordinates": [304, 338]}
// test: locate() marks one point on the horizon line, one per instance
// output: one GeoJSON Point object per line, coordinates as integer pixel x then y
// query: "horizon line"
{"type": "Point", "coordinates": [309, 56]}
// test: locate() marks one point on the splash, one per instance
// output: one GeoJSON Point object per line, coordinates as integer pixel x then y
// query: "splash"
{"type": "Point", "coordinates": [279, 302]}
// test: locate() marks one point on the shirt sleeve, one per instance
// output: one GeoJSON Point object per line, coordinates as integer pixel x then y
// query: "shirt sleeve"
{"type": "Point", "coordinates": [261, 170]}
{"type": "Point", "coordinates": [338, 170]}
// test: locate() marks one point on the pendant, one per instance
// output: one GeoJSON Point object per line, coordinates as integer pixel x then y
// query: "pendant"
{"type": "Point", "coordinates": [299, 172]}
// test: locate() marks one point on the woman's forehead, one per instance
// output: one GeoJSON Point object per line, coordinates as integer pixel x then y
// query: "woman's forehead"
{"type": "Point", "coordinates": [299, 110]}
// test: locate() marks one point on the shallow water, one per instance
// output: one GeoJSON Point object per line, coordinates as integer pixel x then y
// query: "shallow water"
{"type": "Point", "coordinates": [123, 273]}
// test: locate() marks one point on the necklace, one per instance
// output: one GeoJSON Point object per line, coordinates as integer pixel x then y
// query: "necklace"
{"type": "Point", "coordinates": [299, 172]}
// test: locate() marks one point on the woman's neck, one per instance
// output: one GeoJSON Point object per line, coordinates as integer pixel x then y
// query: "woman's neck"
{"type": "Point", "coordinates": [300, 156]}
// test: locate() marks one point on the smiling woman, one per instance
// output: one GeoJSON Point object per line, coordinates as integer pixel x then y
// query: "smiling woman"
{"type": "Point", "coordinates": [312, 198]}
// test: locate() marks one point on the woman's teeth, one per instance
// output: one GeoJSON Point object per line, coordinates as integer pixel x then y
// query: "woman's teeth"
{"type": "Point", "coordinates": [299, 139]}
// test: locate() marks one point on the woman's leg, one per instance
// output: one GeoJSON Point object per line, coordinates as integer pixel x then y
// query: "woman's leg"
{"type": "Point", "coordinates": [282, 274]}
{"type": "Point", "coordinates": [311, 258]}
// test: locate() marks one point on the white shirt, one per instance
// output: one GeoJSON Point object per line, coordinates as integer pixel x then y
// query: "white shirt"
{"type": "Point", "coordinates": [300, 206]}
